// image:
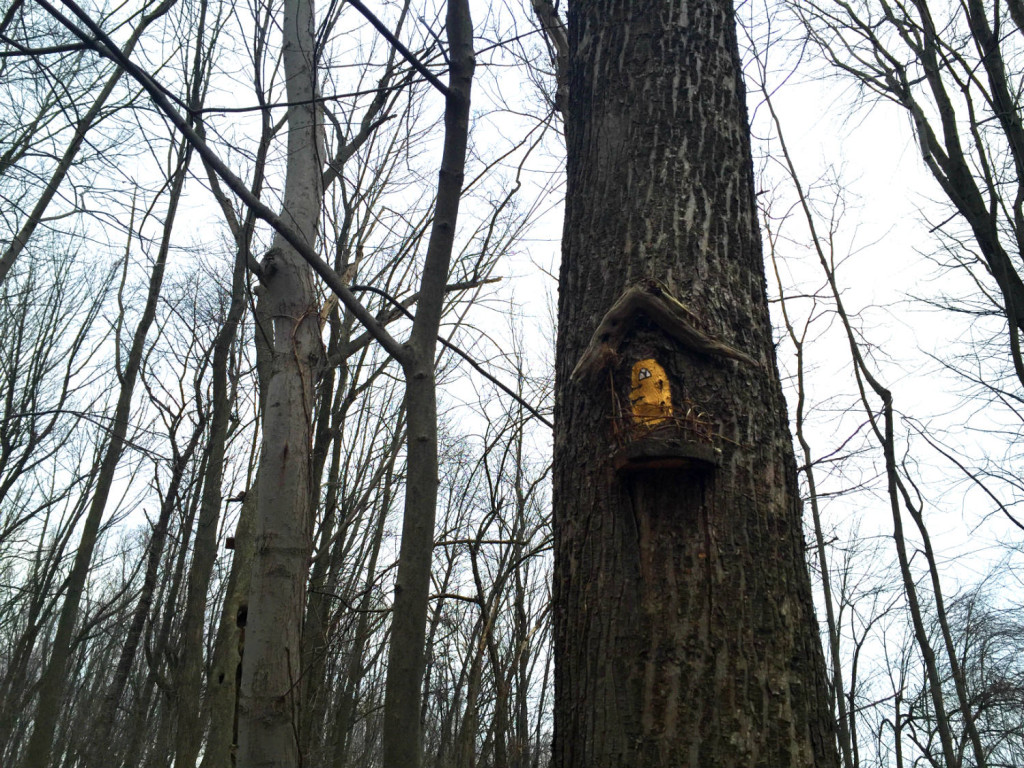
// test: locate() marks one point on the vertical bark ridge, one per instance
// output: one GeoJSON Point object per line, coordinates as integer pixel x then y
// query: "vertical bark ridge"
{"type": "Point", "coordinates": [684, 627]}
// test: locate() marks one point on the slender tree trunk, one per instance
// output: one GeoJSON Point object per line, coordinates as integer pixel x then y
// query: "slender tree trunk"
{"type": "Point", "coordinates": [521, 754]}
{"type": "Point", "coordinates": [15, 694]}
{"type": "Point", "coordinates": [190, 673]}
{"type": "Point", "coordinates": [330, 422]}
{"type": "Point", "coordinates": [222, 691]}
{"type": "Point", "coordinates": [103, 745]}
{"type": "Point", "coordinates": [884, 433]}
{"type": "Point", "coordinates": [52, 685]}
{"type": "Point", "coordinates": [521, 625]}
{"type": "Point", "coordinates": [140, 724]}
{"type": "Point", "coordinates": [843, 716]}
{"type": "Point", "coordinates": [466, 742]}
{"type": "Point", "coordinates": [683, 623]}
{"type": "Point", "coordinates": [271, 673]}
{"type": "Point", "coordinates": [449, 725]}
{"type": "Point", "coordinates": [345, 706]}
{"type": "Point", "coordinates": [402, 726]}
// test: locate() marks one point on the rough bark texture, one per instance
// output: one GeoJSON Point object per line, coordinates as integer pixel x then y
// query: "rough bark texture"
{"type": "Point", "coordinates": [684, 627]}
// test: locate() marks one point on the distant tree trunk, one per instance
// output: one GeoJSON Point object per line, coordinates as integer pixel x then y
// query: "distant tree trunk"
{"type": "Point", "coordinates": [348, 696]}
{"type": "Point", "coordinates": [148, 715]}
{"type": "Point", "coordinates": [406, 657]}
{"type": "Point", "coordinates": [53, 682]}
{"type": "Point", "coordinates": [103, 746]}
{"type": "Point", "coordinates": [683, 623]}
{"type": "Point", "coordinates": [271, 674]}
{"type": "Point", "coordinates": [330, 420]}
{"type": "Point", "coordinates": [190, 729]}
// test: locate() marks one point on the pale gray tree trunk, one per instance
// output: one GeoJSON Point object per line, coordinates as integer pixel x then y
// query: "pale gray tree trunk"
{"type": "Point", "coordinates": [270, 688]}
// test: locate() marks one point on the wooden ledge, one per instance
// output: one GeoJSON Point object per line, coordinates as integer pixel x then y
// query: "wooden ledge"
{"type": "Point", "coordinates": [659, 452]}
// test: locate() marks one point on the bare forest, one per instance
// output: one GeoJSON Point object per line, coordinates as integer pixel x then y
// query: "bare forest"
{"type": "Point", "coordinates": [315, 334]}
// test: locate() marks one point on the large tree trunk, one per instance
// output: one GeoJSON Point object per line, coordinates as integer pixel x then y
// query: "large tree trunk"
{"type": "Point", "coordinates": [271, 674]}
{"type": "Point", "coordinates": [684, 627]}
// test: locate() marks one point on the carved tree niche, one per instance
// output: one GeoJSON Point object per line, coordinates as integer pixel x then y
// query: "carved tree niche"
{"type": "Point", "coordinates": [655, 423]}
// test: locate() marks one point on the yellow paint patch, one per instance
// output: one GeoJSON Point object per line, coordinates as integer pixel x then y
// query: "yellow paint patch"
{"type": "Point", "coordinates": [651, 395]}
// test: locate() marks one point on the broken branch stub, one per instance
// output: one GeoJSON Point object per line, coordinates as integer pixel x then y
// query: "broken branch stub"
{"type": "Point", "coordinates": [671, 315]}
